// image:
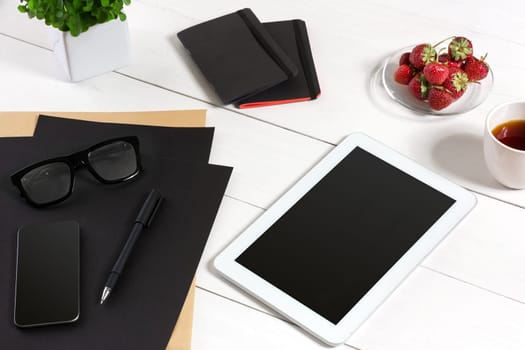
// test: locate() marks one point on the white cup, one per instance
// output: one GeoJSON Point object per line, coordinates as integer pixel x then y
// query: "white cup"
{"type": "Point", "coordinates": [506, 164]}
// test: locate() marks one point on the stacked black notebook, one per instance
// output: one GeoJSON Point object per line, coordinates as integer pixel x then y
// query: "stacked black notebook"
{"type": "Point", "coordinates": [254, 64]}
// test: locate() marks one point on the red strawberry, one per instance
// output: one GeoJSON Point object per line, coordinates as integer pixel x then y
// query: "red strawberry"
{"type": "Point", "coordinates": [460, 48]}
{"type": "Point", "coordinates": [445, 59]}
{"type": "Point", "coordinates": [476, 69]}
{"type": "Point", "coordinates": [421, 55]}
{"type": "Point", "coordinates": [436, 73]}
{"type": "Point", "coordinates": [439, 98]}
{"type": "Point", "coordinates": [456, 82]}
{"type": "Point", "coordinates": [403, 74]}
{"type": "Point", "coordinates": [418, 86]}
{"type": "Point", "coordinates": [404, 58]}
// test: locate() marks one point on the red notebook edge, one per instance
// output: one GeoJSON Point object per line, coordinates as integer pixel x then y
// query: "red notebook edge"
{"type": "Point", "coordinates": [276, 102]}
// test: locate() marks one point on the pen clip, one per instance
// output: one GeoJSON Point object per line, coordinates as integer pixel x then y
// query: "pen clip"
{"type": "Point", "coordinates": [149, 208]}
{"type": "Point", "coordinates": [154, 212]}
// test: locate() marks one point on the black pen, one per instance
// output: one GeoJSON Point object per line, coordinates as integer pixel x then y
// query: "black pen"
{"type": "Point", "coordinates": [146, 214]}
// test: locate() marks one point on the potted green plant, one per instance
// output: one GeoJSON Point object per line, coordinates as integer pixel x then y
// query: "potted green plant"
{"type": "Point", "coordinates": [90, 37]}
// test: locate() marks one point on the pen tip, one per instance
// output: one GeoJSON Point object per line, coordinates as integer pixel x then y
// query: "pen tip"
{"type": "Point", "coordinates": [105, 295]}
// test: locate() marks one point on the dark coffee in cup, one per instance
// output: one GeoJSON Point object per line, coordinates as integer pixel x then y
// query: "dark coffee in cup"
{"type": "Point", "coordinates": [504, 144]}
{"type": "Point", "coordinates": [511, 133]}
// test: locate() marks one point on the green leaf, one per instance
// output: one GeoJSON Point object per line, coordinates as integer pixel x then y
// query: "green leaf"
{"type": "Point", "coordinates": [75, 16]}
{"type": "Point", "coordinates": [89, 3]}
{"type": "Point", "coordinates": [102, 17]}
{"type": "Point", "coordinates": [69, 7]}
{"type": "Point", "coordinates": [75, 25]}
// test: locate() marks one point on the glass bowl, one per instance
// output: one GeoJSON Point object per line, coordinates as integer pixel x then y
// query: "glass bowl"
{"type": "Point", "coordinates": [475, 94]}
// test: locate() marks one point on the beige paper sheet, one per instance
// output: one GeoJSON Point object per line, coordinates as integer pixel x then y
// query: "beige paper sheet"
{"type": "Point", "coordinates": [23, 124]}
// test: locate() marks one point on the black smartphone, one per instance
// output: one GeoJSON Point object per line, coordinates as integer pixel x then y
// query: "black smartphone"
{"type": "Point", "coordinates": [47, 287]}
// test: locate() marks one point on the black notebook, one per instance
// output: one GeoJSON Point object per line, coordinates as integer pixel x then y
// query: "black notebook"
{"type": "Point", "coordinates": [292, 37]}
{"type": "Point", "coordinates": [237, 55]}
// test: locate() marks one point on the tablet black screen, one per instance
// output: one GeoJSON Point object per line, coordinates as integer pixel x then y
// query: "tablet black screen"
{"type": "Point", "coordinates": [339, 239]}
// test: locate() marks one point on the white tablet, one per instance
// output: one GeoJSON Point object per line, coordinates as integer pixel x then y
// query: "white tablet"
{"type": "Point", "coordinates": [334, 247]}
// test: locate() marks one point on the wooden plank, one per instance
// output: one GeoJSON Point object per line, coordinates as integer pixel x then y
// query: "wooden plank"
{"type": "Point", "coordinates": [19, 25]}
{"type": "Point", "coordinates": [222, 324]}
{"type": "Point", "coordinates": [486, 249]}
{"type": "Point", "coordinates": [233, 217]}
{"type": "Point", "coordinates": [433, 312]}
{"type": "Point", "coordinates": [430, 311]}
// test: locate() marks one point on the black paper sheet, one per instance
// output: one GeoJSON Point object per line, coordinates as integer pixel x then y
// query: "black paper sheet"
{"type": "Point", "coordinates": [145, 304]}
{"type": "Point", "coordinates": [193, 144]}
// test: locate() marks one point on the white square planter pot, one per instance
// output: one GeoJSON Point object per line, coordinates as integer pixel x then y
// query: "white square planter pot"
{"type": "Point", "coordinates": [102, 48]}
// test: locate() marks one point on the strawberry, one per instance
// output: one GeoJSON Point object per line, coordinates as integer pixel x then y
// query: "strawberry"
{"type": "Point", "coordinates": [436, 73]}
{"type": "Point", "coordinates": [476, 69]}
{"type": "Point", "coordinates": [404, 59]}
{"type": "Point", "coordinates": [439, 98]}
{"type": "Point", "coordinates": [403, 74]}
{"type": "Point", "coordinates": [456, 82]}
{"type": "Point", "coordinates": [460, 48]}
{"type": "Point", "coordinates": [446, 60]}
{"type": "Point", "coordinates": [421, 55]}
{"type": "Point", "coordinates": [418, 86]}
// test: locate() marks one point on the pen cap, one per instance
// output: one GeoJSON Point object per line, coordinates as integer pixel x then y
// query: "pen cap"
{"type": "Point", "coordinates": [150, 207]}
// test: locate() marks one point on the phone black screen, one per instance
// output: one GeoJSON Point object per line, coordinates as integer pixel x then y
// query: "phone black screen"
{"type": "Point", "coordinates": [47, 275]}
{"type": "Point", "coordinates": [339, 239]}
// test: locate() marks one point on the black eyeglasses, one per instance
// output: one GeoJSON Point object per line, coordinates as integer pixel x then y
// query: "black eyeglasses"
{"type": "Point", "coordinates": [51, 181]}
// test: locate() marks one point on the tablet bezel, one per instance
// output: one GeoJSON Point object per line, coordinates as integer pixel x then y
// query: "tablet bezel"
{"type": "Point", "coordinates": [302, 315]}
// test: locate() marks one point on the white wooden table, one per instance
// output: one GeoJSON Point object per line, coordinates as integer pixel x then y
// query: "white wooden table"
{"type": "Point", "coordinates": [468, 294]}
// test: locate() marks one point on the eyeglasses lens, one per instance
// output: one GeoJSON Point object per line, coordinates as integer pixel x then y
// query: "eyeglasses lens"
{"type": "Point", "coordinates": [47, 183]}
{"type": "Point", "coordinates": [114, 161]}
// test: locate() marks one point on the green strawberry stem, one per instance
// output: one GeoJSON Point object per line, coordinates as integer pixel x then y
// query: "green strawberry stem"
{"type": "Point", "coordinates": [442, 41]}
{"type": "Point", "coordinates": [439, 87]}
